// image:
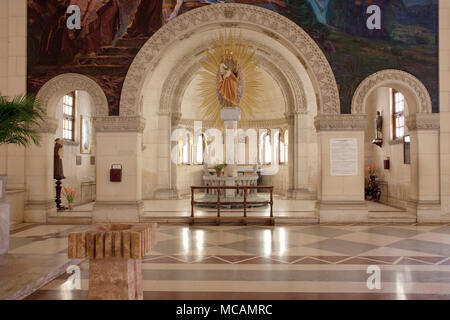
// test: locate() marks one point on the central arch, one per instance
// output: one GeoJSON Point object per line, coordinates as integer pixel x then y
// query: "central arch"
{"type": "Point", "coordinates": [280, 28]}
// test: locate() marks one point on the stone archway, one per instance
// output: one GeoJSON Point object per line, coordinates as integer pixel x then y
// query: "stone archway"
{"type": "Point", "coordinates": [423, 126]}
{"type": "Point", "coordinates": [280, 28]}
{"type": "Point", "coordinates": [417, 95]}
{"type": "Point", "coordinates": [40, 184]}
{"type": "Point", "coordinates": [55, 88]}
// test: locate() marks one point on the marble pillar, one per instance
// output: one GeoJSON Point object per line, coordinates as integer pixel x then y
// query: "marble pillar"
{"type": "Point", "coordinates": [4, 227]}
{"type": "Point", "coordinates": [230, 117]}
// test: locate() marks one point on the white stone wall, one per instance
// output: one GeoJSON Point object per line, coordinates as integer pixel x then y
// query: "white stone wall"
{"type": "Point", "coordinates": [398, 177]}
{"type": "Point", "coordinates": [444, 101]}
{"type": "Point", "coordinates": [75, 175]}
{"type": "Point", "coordinates": [13, 69]}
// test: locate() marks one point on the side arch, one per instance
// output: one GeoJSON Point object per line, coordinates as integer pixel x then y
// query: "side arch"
{"type": "Point", "coordinates": [60, 85]}
{"type": "Point", "coordinates": [416, 94]}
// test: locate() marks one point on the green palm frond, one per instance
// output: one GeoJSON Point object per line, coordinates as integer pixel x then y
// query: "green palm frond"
{"type": "Point", "coordinates": [19, 118]}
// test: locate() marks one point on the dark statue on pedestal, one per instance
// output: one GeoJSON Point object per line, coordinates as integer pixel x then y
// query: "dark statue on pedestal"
{"type": "Point", "coordinates": [379, 130]}
{"type": "Point", "coordinates": [58, 173]}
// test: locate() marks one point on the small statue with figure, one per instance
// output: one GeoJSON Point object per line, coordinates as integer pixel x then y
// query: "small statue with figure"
{"type": "Point", "coordinates": [58, 173]}
{"type": "Point", "coordinates": [379, 130]}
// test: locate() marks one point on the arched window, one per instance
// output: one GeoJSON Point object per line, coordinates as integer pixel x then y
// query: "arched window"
{"type": "Point", "coordinates": [398, 115]}
{"type": "Point", "coordinates": [282, 147]}
{"type": "Point", "coordinates": [69, 116]}
{"type": "Point", "coordinates": [185, 148]}
{"type": "Point", "coordinates": [265, 148]}
{"type": "Point", "coordinates": [286, 146]}
{"type": "Point", "coordinates": [200, 147]}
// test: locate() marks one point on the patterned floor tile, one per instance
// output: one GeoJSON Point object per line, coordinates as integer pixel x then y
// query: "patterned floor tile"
{"type": "Point", "coordinates": [266, 247]}
{"type": "Point", "coordinates": [42, 230]}
{"type": "Point", "coordinates": [369, 238]}
{"type": "Point", "coordinates": [48, 246]}
{"type": "Point", "coordinates": [434, 237]}
{"type": "Point", "coordinates": [321, 231]}
{"type": "Point", "coordinates": [394, 231]}
{"type": "Point", "coordinates": [435, 248]}
{"type": "Point", "coordinates": [342, 246]}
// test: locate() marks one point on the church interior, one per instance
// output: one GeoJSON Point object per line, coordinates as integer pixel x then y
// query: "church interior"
{"type": "Point", "coordinates": [225, 150]}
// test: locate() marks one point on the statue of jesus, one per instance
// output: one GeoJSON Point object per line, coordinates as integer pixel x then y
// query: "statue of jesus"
{"type": "Point", "coordinates": [229, 78]}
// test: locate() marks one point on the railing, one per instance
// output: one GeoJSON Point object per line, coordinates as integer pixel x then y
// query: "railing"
{"type": "Point", "coordinates": [218, 203]}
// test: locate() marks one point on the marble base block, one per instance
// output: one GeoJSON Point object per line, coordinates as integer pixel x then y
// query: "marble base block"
{"type": "Point", "coordinates": [115, 252]}
{"type": "Point", "coordinates": [4, 228]}
{"type": "Point", "coordinates": [115, 279]}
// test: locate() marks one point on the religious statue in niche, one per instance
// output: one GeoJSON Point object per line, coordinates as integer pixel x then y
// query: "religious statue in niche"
{"type": "Point", "coordinates": [230, 77]}
{"type": "Point", "coordinates": [229, 84]}
{"type": "Point", "coordinates": [58, 173]}
{"type": "Point", "coordinates": [379, 130]}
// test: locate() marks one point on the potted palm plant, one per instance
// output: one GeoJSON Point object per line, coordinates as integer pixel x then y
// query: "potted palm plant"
{"type": "Point", "coordinates": [19, 118]}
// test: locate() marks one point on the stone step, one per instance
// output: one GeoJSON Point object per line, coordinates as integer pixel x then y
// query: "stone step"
{"type": "Point", "coordinates": [391, 217]}
{"type": "Point", "coordinates": [118, 51]}
{"type": "Point", "coordinates": [69, 220]}
{"type": "Point", "coordinates": [106, 60]}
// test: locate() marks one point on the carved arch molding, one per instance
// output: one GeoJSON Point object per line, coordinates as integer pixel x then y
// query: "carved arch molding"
{"type": "Point", "coordinates": [281, 28]}
{"type": "Point", "coordinates": [392, 77]}
{"type": "Point", "coordinates": [279, 69]}
{"type": "Point", "coordinates": [64, 83]}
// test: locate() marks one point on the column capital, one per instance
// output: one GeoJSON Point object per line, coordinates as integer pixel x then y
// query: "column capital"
{"type": "Point", "coordinates": [423, 121]}
{"type": "Point", "coordinates": [119, 124]}
{"type": "Point", "coordinates": [340, 122]}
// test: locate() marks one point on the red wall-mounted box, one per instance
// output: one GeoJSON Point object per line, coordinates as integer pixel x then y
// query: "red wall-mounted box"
{"type": "Point", "coordinates": [115, 173]}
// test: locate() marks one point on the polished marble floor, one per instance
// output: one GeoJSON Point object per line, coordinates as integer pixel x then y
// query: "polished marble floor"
{"type": "Point", "coordinates": [280, 262]}
{"type": "Point", "coordinates": [38, 253]}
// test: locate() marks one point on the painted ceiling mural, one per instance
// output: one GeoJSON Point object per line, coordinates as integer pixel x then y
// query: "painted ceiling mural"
{"type": "Point", "coordinates": [113, 31]}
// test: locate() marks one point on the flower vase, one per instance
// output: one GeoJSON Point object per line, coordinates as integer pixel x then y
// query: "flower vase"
{"type": "Point", "coordinates": [70, 205]}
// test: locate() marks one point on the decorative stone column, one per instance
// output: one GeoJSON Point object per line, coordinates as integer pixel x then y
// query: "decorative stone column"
{"type": "Point", "coordinates": [230, 117]}
{"type": "Point", "coordinates": [341, 197]}
{"type": "Point", "coordinates": [115, 255]}
{"type": "Point", "coordinates": [425, 174]}
{"type": "Point", "coordinates": [118, 141]}
{"type": "Point", "coordinates": [167, 169]}
{"type": "Point", "coordinates": [40, 185]}
{"type": "Point", "coordinates": [298, 157]}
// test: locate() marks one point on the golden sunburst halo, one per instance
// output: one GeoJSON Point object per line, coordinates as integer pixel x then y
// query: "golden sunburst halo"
{"type": "Point", "coordinates": [244, 54]}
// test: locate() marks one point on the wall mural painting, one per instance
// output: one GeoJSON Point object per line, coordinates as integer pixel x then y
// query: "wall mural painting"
{"type": "Point", "coordinates": [113, 31]}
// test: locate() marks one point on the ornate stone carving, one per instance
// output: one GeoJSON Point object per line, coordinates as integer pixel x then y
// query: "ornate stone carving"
{"type": "Point", "coordinates": [281, 71]}
{"type": "Point", "coordinates": [246, 15]}
{"type": "Point", "coordinates": [340, 122]}
{"type": "Point", "coordinates": [387, 78]}
{"type": "Point", "coordinates": [423, 121]}
{"type": "Point", "coordinates": [119, 124]}
{"type": "Point", "coordinates": [65, 83]}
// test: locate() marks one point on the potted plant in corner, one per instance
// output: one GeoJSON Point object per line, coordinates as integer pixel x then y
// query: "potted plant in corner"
{"type": "Point", "coordinates": [373, 191]}
{"type": "Point", "coordinates": [70, 194]}
{"type": "Point", "coordinates": [219, 169]}
{"type": "Point", "coordinates": [19, 119]}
